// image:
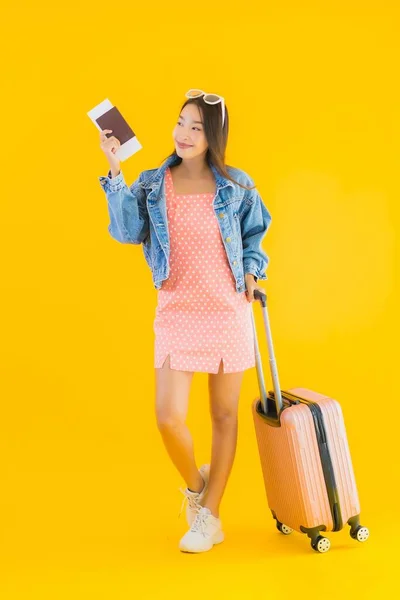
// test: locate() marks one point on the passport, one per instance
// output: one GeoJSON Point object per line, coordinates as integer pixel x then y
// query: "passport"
{"type": "Point", "coordinates": [107, 116]}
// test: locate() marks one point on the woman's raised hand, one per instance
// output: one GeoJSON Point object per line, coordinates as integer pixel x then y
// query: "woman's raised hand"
{"type": "Point", "coordinates": [110, 145]}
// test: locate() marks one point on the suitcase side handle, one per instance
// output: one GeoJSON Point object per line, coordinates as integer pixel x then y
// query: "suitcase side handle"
{"type": "Point", "coordinates": [262, 297]}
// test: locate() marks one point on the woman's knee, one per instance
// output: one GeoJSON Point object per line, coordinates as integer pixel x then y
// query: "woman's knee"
{"type": "Point", "coordinates": [169, 420]}
{"type": "Point", "coordinates": [224, 417]}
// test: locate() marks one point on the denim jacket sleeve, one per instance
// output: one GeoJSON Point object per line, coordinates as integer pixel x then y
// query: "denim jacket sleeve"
{"type": "Point", "coordinates": [129, 219]}
{"type": "Point", "coordinates": [255, 221]}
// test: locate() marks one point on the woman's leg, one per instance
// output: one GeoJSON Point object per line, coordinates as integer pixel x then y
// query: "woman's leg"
{"type": "Point", "coordinates": [172, 400]}
{"type": "Point", "coordinates": [224, 389]}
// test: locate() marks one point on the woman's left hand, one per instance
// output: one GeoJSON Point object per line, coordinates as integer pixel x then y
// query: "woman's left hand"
{"type": "Point", "coordinates": [251, 285]}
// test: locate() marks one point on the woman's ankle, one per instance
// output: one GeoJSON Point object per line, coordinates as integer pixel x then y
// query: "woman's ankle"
{"type": "Point", "coordinates": [214, 509]}
{"type": "Point", "coordinates": [197, 486]}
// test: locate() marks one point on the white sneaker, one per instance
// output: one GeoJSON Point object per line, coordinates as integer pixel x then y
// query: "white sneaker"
{"type": "Point", "coordinates": [194, 499]}
{"type": "Point", "coordinates": [204, 533]}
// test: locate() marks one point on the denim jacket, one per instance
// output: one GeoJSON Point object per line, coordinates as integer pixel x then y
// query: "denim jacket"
{"type": "Point", "coordinates": [138, 216]}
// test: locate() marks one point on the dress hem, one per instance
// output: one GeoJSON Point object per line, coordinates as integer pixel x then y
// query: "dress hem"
{"type": "Point", "coordinates": [173, 361]}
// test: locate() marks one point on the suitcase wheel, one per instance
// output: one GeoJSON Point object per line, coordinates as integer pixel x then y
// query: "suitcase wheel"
{"type": "Point", "coordinates": [361, 534]}
{"type": "Point", "coordinates": [284, 528]}
{"type": "Point", "coordinates": [321, 544]}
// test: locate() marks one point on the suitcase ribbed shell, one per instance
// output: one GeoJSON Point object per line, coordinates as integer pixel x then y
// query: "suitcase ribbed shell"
{"type": "Point", "coordinates": [291, 464]}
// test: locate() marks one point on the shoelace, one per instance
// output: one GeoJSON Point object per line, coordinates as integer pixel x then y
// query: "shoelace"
{"type": "Point", "coordinates": [200, 523]}
{"type": "Point", "coordinates": [192, 501]}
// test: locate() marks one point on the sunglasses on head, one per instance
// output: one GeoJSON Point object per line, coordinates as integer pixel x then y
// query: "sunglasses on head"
{"type": "Point", "coordinates": [209, 99]}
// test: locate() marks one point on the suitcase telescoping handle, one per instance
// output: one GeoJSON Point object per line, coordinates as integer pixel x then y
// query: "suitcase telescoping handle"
{"type": "Point", "coordinates": [262, 297]}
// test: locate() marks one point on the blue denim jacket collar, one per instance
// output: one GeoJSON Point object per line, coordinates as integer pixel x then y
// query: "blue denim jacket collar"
{"type": "Point", "coordinates": [155, 179]}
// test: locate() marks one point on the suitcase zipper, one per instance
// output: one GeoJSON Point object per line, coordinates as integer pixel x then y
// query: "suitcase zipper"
{"type": "Point", "coordinates": [326, 461]}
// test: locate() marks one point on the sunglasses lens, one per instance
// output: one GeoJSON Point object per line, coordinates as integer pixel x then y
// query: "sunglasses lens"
{"type": "Point", "coordinates": [195, 93]}
{"type": "Point", "coordinates": [212, 98]}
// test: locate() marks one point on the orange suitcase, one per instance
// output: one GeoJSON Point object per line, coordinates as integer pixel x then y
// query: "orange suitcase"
{"type": "Point", "coordinates": [305, 458]}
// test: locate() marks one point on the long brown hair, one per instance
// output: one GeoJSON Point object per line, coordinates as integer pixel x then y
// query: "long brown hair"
{"type": "Point", "coordinates": [216, 136]}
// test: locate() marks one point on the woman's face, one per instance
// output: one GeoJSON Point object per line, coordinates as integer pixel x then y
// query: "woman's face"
{"type": "Point", "coordinates": [189, 130]}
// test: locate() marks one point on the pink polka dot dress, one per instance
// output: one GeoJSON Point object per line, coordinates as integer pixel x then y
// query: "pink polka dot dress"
{"type": "Point", "coordinates": [200, 317]}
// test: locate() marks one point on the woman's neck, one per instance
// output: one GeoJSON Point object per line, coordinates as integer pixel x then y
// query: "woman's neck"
{"type": "Point", "coordinates": [194, 168]}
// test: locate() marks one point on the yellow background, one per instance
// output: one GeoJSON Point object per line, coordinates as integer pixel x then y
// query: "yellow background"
{"type": "Point", "coordinates": [89, 499]}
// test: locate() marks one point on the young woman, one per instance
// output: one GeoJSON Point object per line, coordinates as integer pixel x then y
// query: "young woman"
{"type": "Point", "coordinates": [201, 224]}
